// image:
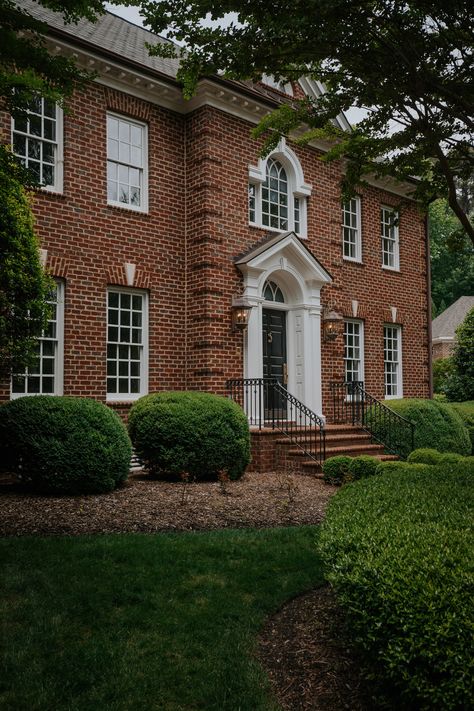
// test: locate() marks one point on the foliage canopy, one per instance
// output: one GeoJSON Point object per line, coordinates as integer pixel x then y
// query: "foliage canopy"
{"type": "Point", "coordinates": [408, 65]}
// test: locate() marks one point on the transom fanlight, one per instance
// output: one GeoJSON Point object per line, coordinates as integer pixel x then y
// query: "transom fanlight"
{"type": "Point", "coordinates": [272, 292]}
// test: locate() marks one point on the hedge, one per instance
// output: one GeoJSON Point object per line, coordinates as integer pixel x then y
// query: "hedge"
{"type": "Point", "coordinates": [466, 412]}
{"type": "Point", "coordinates": [398, 550]}
{"type": "Point", "coordinates": [336, 469]}
{"type": "Point", "coordinates": [64, 445]}
{"type": "Point", "coordinates": [437, 424]}
{"type": "Point", "coordinates": [361, 467]}
{"type": "Point", "coordinates": [424, 456]}
{"type": "Point", "coordinates": [190, 433]}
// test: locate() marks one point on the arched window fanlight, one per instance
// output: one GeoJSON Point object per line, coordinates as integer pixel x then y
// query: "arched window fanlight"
{"type": "Point", "coordinates": [277, 193]}
{"type": "Point", "coordinates": [272, 292]}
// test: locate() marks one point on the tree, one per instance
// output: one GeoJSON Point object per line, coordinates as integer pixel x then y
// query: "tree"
{"type": "Point", "coordinates": [459, 385]}
{"type": "Point", "coordinates": [27, 70]}
{"type": "Point", "coordinates": [408, 64]}
{"type": "Point", "coordinates": [452, 258]}
{"type": "Point", "coordinates": [24, 286]}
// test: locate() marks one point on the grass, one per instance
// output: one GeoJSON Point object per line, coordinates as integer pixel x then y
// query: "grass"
{"type": "Point", "coordinates": [133, 621]}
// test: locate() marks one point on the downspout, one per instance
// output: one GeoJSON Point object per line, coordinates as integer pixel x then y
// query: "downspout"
{"type": "Point", "coordinates": [185, 217]}
{"type": "Point", "coordinates": [428, 305]}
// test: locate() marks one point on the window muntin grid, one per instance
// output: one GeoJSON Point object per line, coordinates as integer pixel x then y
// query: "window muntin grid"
{"type": "Point", "coordinates": [392, 361]}
{"type": "Point", "coordinates": [297, 215]}
{"type": "Point", "coordinates": [353, 351]}
{"type": "Point", "coordinates": [126, 146]}
{"type": "Point", "coordinates": [272, 292]}
{"type": "Point", "coordinates": [252, 202]}
{"type": "Point", "coordinates": [275, 196]}
{"type": "Point", "coordinates": [126, 332]}
{"type": "Point", "coordinates": [351, 238]}
{"type": "Point", "coordinates": [389, 232]}
{"type": "Point", "coordinates": [35, 140]}
{"type": "Point", "coordinates": [41, 378]}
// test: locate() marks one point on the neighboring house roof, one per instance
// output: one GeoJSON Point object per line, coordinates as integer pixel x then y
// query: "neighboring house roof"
{"type": "Point", "coordinates": [444, 326]}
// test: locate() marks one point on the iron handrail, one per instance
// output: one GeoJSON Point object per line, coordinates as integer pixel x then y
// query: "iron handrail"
{"type": "Point", "coordinates": [267, 403]}
{"type": "Point", "coordinates": [352, 403]}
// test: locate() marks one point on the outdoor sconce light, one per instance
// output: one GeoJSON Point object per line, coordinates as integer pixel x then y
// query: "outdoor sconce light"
{"type": "Point", "coordinates": [331, 319]}
{"type": "Point", "coordinates": [240, 313]}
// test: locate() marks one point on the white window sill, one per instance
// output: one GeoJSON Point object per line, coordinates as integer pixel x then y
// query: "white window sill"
{"type": "Point", "coordinates": [130, 208]}
{"type": "Point", "coordinates": [391, 269]}
{"type": "Point", "coordinates": [393, 397]}
{"type": "Point", "coordinates": [52, 189]}
{"type": "Point", "coordinates": [351, 259]}
{"type": "Point", "coordinates": [124, 399]}
{"type": "Point", "coordinates": [277, 230]}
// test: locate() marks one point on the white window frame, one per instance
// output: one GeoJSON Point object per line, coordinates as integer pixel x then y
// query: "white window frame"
{"type": "Point", "coordinates": [143, 207]}
{"type": "Point", "coordinates": [58, 185]}
{"type": "Point", "coordinates": [59, 350]}
{"type": "Point", "coordinates": [360, 324]}
{"type": "Point", "coordinates": [357, 229]}
{"type": "Point", "coordinates": [399, 393]}
{"type": "Point", "coordinates": [297, 190]}
{"type": "Point", "coordinates": [130, 397]}
{"type": "Point", "coordinates": [395, 239]}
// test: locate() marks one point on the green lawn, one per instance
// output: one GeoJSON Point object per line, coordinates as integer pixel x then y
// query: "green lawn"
{"type": "Point", "coordinates": [142, 622]}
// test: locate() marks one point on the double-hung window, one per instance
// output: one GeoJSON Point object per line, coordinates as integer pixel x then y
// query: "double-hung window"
{"type": "Point", "coordinates": [353, 351]}
{"type": "Point", "coordinates": [45, 375]}
{"type": "Point", "coordinates": [127, 163]}
{"type": "Point", "coordinates": [37, 142]}
{"type": "Point", "coordinates": [351, 230]}
{"type": "Point", "coordinates": [392, 351]}
{"type": "Point", "coordinates": [127, 342]}
{"type": "Point", "coordinates": [390, 241]}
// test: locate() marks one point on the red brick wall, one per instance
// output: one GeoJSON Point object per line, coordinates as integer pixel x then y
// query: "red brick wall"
{"type": "Point", "coordinates": [442, 349]}
{"type": "Point", "coordinates": [183, 248]}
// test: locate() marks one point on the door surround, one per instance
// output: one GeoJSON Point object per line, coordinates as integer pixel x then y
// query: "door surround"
{"type": "Point", "coordinates": [286, 261]}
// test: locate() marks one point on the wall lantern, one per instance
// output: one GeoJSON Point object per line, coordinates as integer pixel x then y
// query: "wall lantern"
{"type": "Point", "coordinates": [241, 308]}
{"type": "Point", "coordinates": [331, 320]}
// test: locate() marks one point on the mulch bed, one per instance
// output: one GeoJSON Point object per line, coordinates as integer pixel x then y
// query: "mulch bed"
{"type": "Point", "coordinates": [309, 666]}
{"type": "Point", "coordinates": [147, 505]}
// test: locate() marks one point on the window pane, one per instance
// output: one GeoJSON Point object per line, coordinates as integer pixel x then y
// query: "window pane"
{"type": "Point", "coordinates": [124, 360]}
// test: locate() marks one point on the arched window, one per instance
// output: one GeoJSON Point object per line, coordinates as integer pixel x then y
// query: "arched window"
{"type": "Point", "coordinates": [278, 194]}
{"type": "Point", "coordinates": [272, 292]}
{"type": "Point", "coordinates": [275, 196]}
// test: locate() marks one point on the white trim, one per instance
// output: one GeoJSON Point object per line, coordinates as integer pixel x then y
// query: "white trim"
{"type": "Point", "coordinates": [59, 352]}
{"type": "Point", "coordinates": [285, 260]}
{"type": "Point", "coordinates": [360, 323]}
{"type": "Point", "coordinates": [395, 240]}
{"type": "Point", "coordinates": [399, 394]}
{"type": "Point", "coordinates": [297, 188]}
{"type": "Point", "coordinates": [143, 207]}
{"type": "Point", "coordinates": [131, 397]}
{"type": "Point", "coordinates": [358, 243]}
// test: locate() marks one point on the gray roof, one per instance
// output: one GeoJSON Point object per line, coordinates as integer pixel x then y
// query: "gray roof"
{"type": "Point", "coordinates": [445, 325]}
{"type": "Point", "coordinates": [109, 32]}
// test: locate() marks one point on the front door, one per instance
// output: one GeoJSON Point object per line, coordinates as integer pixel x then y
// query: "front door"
{"type": "Point", "coordinates": [274, 358]}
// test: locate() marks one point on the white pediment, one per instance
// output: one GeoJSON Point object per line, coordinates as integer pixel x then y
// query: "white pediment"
{"type": "Point", "coordinates": [286, 252]}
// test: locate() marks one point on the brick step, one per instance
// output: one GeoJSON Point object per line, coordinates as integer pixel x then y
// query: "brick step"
{"type": "Point", "coordinates": [351, 450]}
{"type": "Point", "coordinates": [336, 440]}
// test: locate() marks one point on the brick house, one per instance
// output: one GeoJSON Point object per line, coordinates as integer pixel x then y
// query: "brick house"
{"type": "Point", "coordinates": [444, 326]}
{"type": "Point", "coordinates": [159, 220]}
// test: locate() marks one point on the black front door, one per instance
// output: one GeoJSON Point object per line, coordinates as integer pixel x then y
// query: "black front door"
{"type": "Point", "coordinates": [274, 356]}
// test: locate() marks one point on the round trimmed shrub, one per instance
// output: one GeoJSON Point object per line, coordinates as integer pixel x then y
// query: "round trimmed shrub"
{"type": "Point", "coordinates": [466, 411]}
{"type": "Point", "coordinates": [335, 469]}
{"type": "Point", "coordinates": [363, 466]}
{"type": "Point", "coordinates": [424, 456]}
{"type": "Point", "coordinates": [436, 424]}
{"type": "Point", "coordinates": [451, 458]}
{"type": "Point", "coordinates": [393, 467]}
{"type": "Point", "coordinates": [192, 433]}
{"type": "Point", "coordinates": [64, 445]}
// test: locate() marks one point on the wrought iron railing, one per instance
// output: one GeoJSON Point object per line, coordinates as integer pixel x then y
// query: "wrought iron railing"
{"type": "Point", "coordinates": [267, 403]}
{"type": "Point", "coordinates": [352, 404]}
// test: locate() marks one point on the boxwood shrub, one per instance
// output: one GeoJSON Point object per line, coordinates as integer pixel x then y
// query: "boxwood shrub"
{"type": "Point", "coordinates": [64, 445]}
{"type": "Point", "coordinates": [191, 433]}
{"type": "Point", "coordinates": [335, 469]}
{"type": "Point", "coordinates": [424, 456]}
{"type": "Point", "coordinates": [436, 424]}
{"type": "Point", "coordinates": [466, 411]}
{"type": "Point", "coordinates": [399, 554]}
{"type": "Point", "coordinates": [361, 467]}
